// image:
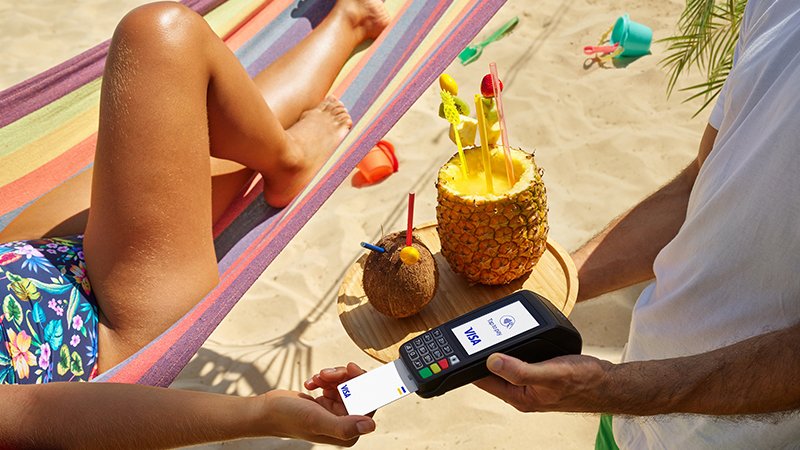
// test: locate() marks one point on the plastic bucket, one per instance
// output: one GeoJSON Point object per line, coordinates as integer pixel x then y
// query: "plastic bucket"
{"type": "Point", "coordinates": [634, 37]}
{"type": "Point", "coordinates": [379, 163]}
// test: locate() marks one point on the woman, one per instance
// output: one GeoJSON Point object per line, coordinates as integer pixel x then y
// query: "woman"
{"type": "Point", "coordinates": [173, 95]}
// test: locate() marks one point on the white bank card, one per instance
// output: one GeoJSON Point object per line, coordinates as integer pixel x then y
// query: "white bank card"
{"type": "Point", "coordinates": [378, 387]}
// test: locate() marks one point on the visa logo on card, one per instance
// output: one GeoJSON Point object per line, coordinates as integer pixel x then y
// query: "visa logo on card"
{"type": "Point", "coordinates": [378, 387]}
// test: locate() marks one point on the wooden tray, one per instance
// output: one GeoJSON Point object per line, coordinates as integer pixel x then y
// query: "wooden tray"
{"type": "Point", "coordinates": [553, 277]}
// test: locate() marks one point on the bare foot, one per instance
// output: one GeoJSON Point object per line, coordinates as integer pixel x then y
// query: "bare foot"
{"type": "Point", "coordinates": [367, 16]}
{"type": "Point", "coordinates": [311, 140]}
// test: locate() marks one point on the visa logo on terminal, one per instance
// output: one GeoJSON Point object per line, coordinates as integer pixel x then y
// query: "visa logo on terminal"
{"type": "Point", "coordinates": [472, 335]}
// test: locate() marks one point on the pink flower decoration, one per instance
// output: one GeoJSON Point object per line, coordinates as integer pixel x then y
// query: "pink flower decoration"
{"type": "Point", "coordinates": [77, 323]}
{"type": "Point", "coordinates": [75, 340]}
{"type": "Point", "coordinates": [28, 251]}
{"type": "Point", "coordinates": [44, 356]}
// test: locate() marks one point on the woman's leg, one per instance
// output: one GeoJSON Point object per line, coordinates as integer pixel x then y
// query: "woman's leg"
{"type": "Point", "coordinates": [173, 94]}
{"type": "Point", "coordinates": [64, 210]}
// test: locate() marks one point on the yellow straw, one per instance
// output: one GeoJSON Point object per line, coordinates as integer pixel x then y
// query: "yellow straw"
{"type": "Point", "coordinates": [487, 159]}
{"type": "Point", "coordinates": [452, 116]}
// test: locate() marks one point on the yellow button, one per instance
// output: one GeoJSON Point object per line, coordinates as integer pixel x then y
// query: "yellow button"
{"type": "Point", "coordinates": [435, 368]}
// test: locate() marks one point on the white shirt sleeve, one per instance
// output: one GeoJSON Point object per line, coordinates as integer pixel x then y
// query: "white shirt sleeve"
{"type": "Point", "coordinates": [718, 113]}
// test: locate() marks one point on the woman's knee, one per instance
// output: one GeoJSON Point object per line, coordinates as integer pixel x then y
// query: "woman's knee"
{"type": "Point", "coordinates": [160, 30]}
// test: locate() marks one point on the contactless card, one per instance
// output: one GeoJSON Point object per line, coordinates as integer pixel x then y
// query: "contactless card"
{"type": "Point", "coordinates": [378, 387]}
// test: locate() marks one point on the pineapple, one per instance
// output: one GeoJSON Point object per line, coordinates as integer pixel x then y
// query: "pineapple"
{"type": "Point", "coordinates": [492, 237]}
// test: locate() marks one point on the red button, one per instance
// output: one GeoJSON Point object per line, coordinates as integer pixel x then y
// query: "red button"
{"type": "Point", "coordinates": [443, 363]}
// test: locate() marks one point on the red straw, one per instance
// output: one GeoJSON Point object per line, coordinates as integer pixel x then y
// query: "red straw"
{"type": "Point", "coordinates": [410, 218]}
{"type": "Point", "coordinates": [501, 118]}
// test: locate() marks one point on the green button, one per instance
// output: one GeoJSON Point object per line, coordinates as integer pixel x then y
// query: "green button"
{"type": "Point", "coordinates": [425, 373]}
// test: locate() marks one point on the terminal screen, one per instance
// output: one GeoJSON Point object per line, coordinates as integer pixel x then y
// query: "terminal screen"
{"type": "Point", "coordinates": [494, 327]}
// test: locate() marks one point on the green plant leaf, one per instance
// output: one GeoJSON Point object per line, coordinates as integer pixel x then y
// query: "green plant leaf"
{"type": "Point", "coordinates": [12, 309]}
{"type": "Point", "coordinates": [706, 37]}
{"type": "Point", "coordinates": [76, 364]}
{"type": "Point", "coordinates": [63, 360]}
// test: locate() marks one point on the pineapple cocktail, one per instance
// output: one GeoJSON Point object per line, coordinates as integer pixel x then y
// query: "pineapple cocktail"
{"type": "Point", "coordinates": [492, 226]}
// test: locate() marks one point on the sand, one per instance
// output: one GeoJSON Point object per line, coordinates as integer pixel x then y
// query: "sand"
{"type": "Point", "coordinates": [606, 138]}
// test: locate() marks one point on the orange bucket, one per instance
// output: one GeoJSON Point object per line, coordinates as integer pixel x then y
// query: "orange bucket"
{"type": "Point", "coordinates": [379, 163]}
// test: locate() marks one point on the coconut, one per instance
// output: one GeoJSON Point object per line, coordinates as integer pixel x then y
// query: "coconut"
{"type": "Point", "coordinates": [395, 288]}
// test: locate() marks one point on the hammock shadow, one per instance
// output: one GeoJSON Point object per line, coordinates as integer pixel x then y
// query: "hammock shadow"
{"type": "Point", "coordinates": [242, 369]}
{"type": "Point", "coordinates": [312, 10]}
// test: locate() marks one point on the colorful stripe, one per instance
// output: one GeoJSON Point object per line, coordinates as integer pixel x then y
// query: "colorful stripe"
{"type": "Point", "coordinates": [378, 85]}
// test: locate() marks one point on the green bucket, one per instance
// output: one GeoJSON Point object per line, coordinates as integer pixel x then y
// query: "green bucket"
{"type": "Point", "coordinates": [633, 37]}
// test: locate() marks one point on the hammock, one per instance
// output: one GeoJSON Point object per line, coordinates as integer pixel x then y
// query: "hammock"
{"type": "Point", "coordinates": [48, 131]}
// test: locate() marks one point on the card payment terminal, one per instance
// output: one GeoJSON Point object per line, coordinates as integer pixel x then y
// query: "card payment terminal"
{"type": "Point", "coordinates": [523, 325]}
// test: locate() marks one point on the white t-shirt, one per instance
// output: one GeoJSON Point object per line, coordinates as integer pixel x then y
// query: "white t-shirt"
{"type": "Point", "coordinates": [733, 269]}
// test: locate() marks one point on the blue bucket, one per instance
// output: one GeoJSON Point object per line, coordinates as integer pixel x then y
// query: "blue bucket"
{"type": "Point", "coordinates": [633, 37]}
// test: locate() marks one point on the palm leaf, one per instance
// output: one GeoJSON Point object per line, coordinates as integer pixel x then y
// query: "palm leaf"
{"type": "Point", "coordinates": [705, 40]}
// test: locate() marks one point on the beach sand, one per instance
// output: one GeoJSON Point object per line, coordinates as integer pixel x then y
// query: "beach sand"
{"type": "Point", "coordinates": [606, 138]}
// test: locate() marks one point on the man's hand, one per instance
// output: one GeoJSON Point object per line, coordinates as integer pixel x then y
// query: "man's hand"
{"type": "Point", "coordinates": [322, 419]}
{"type": "Point", "coordinates": [572, 383]}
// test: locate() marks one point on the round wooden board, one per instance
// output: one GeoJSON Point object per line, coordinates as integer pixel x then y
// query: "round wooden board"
{"type": "Point", "coordinates": [553, 277]}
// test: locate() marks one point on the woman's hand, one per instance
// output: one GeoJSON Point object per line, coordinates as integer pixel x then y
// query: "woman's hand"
{"type": "Point", "coordinates": [323, 419]}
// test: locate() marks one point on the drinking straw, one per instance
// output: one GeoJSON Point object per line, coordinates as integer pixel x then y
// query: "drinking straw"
{"type": "Point", "coordinates": [410, 227]}
{"type": "Point", "coordinates": [487, 158]}
{"type": "Point", "coordinates": [452, 116]}
{"type": "Point", "coordinates": [502, 121]}
{"type": "Point", "coordinates": [374, 248]}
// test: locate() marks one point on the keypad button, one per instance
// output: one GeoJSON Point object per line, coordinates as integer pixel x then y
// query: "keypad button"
{"type": "Point", "coordinates": [418, 364]}
{"type": "Point", "coordinates": [437, 333]}
{"type": "Point", "coordinates": [454, 360]}
{"type": "Point", "coordinates": [443, 363]}
{"type": "Point", "coordinates": [413, 354]}
{"type": "Point", "coordinates": [441, 341]}
{"type": "Point", "coordinates": [432, 346]}
{"type": "Point", "coordinates": [427, 338]}
{"type": "Point", "coordinates": [417, 342]}
{"type": "Point", "coordinates": [447, 349]}
{"type": "Point", "coordinates": [423, 350]}
{"type": "Point", "coordinates": [435, 368]}
{"type": "Point", "coordinates": [425, 373]}
{"type": "Point", "coordinates": [427, 359]}
{"type": "Point", "coordinates": [437, 354]}
{"type": "Point", "coordinates": [408, 347]}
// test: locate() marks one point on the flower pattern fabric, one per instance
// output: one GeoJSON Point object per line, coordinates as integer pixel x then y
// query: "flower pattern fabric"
{"type": "Point", "coordinates": [49, 316]}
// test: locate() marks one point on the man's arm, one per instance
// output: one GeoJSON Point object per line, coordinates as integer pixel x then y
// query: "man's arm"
{"type": "Point", "coordinates": [623, 253]}
{"type": "Point", "coordinates": [754, 376]}
{"type": "Point", "coordinates": [108, 415]}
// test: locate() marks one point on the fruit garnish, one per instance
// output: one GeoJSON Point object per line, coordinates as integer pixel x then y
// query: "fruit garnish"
{"type": "Point", "coordinates": [447, 83]}
{"type": "Point", "coordinates": [461, 106]}
{"type": "Point", "coordinates": [487, 89]}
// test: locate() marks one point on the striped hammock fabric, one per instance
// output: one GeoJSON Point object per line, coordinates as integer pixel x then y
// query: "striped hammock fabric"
{"type": "Point", "coordinates": [48, 131]}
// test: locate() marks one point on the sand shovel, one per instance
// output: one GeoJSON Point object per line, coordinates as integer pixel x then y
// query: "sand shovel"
{"type": "Point", "coordinates": [473, 52]}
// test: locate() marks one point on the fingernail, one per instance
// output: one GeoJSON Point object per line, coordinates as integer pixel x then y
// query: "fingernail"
{"type": "Point", "coordinates": [365, 426]}
{"type": "Point", "coordinates": [328, 370]}
{"type": "Point", "coordinates": [495, 363]}
{"type": "Point", "coordinates": [308, 381]}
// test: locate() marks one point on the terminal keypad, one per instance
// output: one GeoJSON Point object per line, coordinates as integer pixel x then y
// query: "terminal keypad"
{"type": "Point", "coordinates": [430, 353]}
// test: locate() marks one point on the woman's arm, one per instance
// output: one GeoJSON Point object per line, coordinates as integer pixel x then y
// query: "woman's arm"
{"type": "Point", "coordinates": [103, 415]}
{"type": "Point", "coordinates": [623, 253]}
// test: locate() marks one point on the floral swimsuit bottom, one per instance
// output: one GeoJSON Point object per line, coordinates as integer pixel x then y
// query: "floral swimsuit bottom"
{"type": "Point", "coordinates": [49, 320]}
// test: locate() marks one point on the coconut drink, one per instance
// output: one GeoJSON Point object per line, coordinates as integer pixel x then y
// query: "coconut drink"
{"type": "Point", "coordinates": [398, 282]}
{"type": "Point", "coordinates": [491, 203]}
